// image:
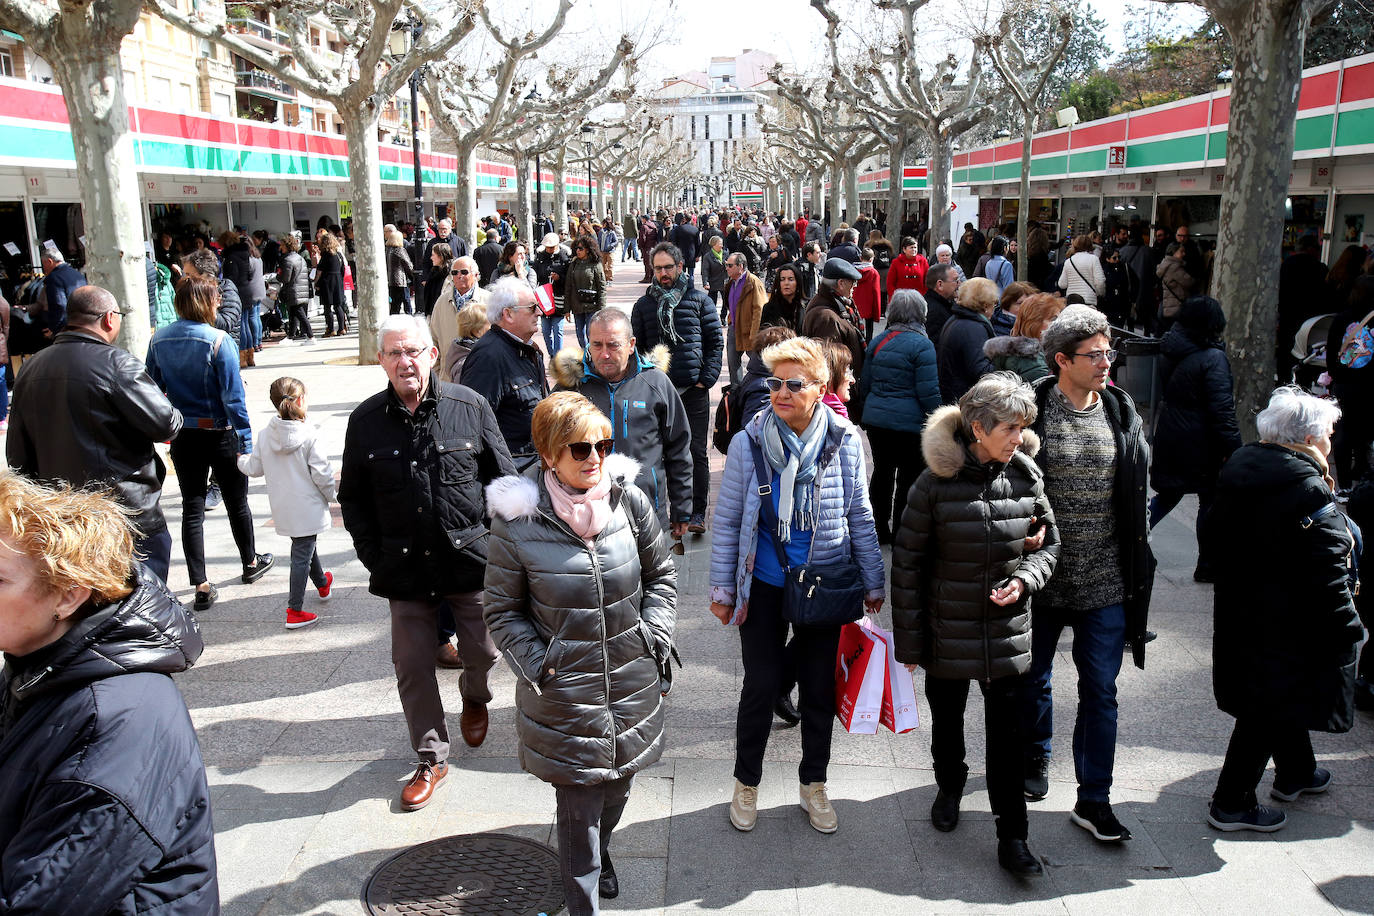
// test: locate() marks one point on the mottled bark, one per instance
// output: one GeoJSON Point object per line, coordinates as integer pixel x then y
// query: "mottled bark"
{"type": "Point", "coordinates": [1022, 212]}
{"type": "Point", "coordinates": [365, 184]}
{"type": "Point", "coordinates": [559, 166]}
{"type": "Point", "coordinates": [523, 220]}
{"type": "Point", "coordinates": [896, 156]}
{"type": "Point", "coordinates": [938, 171]}
{"type": "Point", "coordinates": [835, 198]}
{"type": "Point", "coordinates": [465, 193]}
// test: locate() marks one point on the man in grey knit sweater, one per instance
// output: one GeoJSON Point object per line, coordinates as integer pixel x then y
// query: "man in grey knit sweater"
{"type": "Point", "coordinates": [1095, 460]}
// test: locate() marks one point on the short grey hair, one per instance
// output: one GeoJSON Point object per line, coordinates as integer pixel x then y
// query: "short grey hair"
{"type": "Point", "coordinates": [943, 249]}
{"type": "Point", "coordinates": [505, 293]}
{"type": "Point", "coordinates": [446, 223]}
{"type": "Point", "coordinates": [1293, 415]}
{"type": "Point", "coordinates": [401, 323]}
{"type": "Point", "coordinates": [851, 236]}
{"type": "Point", "coordinates": [997, 398]}
{"type": "Point", "coordinates": [1073, 326]}
{"type": "Point", "coordinates": [737, 259]}
{"type": "Point", "coordinates": [907, 306]}
{"type": "Point", "coordinates": [53, 253]}
{"type": "Point", "coordinates": [612, 317]}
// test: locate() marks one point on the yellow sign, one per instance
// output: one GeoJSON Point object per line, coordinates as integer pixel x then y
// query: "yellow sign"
{"type": "Point", "coordinates": [345, 209]}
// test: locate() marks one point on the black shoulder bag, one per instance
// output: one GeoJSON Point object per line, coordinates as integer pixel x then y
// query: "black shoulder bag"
{"type": "Point", "coordinates": [813, 594]}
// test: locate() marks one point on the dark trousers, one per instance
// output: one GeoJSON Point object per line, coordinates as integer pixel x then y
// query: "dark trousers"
{"type": "Point", "coordinates": [1002, 713]}
{"type": "Point", "coordinates": [299, 324]}
{"type": "Point", "coordinates": [197, 452]}
{"type": "Point", "coordinates": [413, 625]}
{"type": "Point", "coordinates": [335, 317]}
{"type": "Point", "coordinates": [897, 461]}
{"type": "Point", "coordinates": [587, 815]}
{"type": "Point", "coordinates": [698, 403]}
{"type": "Point", "coordinates": [1163, 502]}
{"type": "Point", "coordinates": [305, 563]}
{"type": "Point", "coordinates": [763, 646]}
{"type": "Point", "coordinates": [155, 548]}
{"type": "Point", "coordinates": [400, 299]}
{"type": "Point", "coordinates": [1098, 640]}
{"type": "Point", "coordinates": [1253, 742]}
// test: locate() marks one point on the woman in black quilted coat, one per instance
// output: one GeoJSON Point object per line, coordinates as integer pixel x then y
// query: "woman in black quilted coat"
{"type": "Point", "coordinates": [1197, 428]}
{"type": "Point", "coordinates": [581, 599]}
{"type": "Point", "coordinates": [977, 539]}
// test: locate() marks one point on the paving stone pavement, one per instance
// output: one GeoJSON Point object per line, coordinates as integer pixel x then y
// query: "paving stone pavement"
{"type": "Point", "coordinates": [306, 750]}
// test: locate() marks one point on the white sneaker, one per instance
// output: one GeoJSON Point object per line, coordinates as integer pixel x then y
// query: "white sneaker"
{"type": "Point", "coordinates": [744, 807]}
{"type": "Point", "coordinates": [816, 804]}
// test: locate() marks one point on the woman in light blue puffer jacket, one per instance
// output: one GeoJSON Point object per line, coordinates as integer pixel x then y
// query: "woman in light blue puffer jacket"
{"type": "Point", "coordinates": [824, 517]}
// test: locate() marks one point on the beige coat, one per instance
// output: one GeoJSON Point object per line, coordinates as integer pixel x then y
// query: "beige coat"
{"type": "Point", "coordinates": [443, 322]}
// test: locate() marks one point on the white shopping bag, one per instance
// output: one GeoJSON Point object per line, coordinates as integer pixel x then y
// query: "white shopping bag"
{"type": "Point", "coordinates": [899, 711]}
{"type": "Point", "coordinates": [860, 676]}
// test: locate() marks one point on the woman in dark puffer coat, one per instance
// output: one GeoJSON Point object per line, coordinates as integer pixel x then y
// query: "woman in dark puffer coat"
{"type": "Point", "coordinates": [581, 598]}
{"type": "Point", "coordinates": [1197, 428]}
{"type": "Point", "coordinates": [977, 539]}
{"type": "Point", "coordinates": [104, 806]}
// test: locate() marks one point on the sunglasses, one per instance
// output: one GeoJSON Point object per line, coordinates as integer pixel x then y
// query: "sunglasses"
{"type": "Point", "coordinates": [793, 384]}
{"type": "Point", "coordinates": [461, 273]}
{"type": "Point", "coordinates": [581, 451]}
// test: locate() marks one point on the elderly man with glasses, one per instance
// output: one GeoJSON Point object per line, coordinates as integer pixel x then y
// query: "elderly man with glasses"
{"type": "Point", "coordinates": [461, 291]}
{"type": "Point", "coordinates": [416, 459]}
{"type": "Point", "coordinates": [506, 368]}
{"type": "Point", "coordinates": [1095, 461]}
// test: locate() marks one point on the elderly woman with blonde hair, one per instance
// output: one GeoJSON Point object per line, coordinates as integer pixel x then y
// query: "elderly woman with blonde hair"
{"type": "Point", "coordinates": [581, 598]}
{"type": "Point", "coordinates": [104, 805]}
{"type": "Point", "coordinates": [817, 514]}
{"type": "Point", "coordinates": [400, 273]}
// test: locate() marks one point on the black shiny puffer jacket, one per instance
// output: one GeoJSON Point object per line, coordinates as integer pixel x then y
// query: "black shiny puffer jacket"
{"type": "Point", "coordinates": [587, 627]}
{"type": "Point", "coordinates": [962, 535]}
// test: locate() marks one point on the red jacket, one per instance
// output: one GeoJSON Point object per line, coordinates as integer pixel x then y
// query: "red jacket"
{"type": "Point", "coordinates": [908, 273]}
{"type": "Point", "coordinates": [868, 293]}
{"type": "Point", "coordinates": [800, 226]}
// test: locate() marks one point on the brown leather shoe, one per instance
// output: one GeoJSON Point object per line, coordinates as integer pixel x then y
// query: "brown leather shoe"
{"type": "Point", "coordinates": [447, 656]}
{"type": "Point", "coordinates": [473, 723]}
{"type": "Point", "coordinates": [420, 789]}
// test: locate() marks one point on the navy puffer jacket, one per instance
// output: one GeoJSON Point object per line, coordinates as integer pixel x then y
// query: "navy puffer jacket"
{"type": "Point", "coordinates": [104, 806]}
{"type": "Point", "coordinates": [696, 353]}
{"type": "Point", "coordinates": [900, 385]}
{"type": "Point", "coordinates": [1197, 428]}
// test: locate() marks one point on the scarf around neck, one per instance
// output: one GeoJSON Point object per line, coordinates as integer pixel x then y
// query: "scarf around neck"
{"type": "Point", "coordinates": [668, 300]}
{"type": "Point", "coordinates": [1311, 451]}
{"type": "Point", "coordinates": [794, 457]}
{"type": "Point", "coordinates": [585, 512]}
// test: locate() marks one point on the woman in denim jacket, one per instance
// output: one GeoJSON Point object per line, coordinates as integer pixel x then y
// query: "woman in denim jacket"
{"type": "Point", "coordinates": [197, 365]}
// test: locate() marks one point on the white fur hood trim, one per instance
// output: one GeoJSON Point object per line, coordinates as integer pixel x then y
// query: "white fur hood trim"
{"type": "Point", "coordinates": [515, 496]}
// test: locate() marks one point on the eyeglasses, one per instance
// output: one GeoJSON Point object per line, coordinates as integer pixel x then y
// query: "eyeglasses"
{"type": "Point", "coordinates": [521, 308]}
{"type": "Point", "coordinates": [462, 273]}
{"type": "Point", "coordinates": [1097, 356]}
{"type": "Point", "coordinates": [793, 384]}
{"type": "Point", "coordinates": [407, 352]}
{"type": "Point", "coordinates": [581, 451]}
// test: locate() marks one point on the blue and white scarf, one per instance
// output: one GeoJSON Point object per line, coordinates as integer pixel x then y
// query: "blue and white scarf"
{"type": "Point", "coordinates": [794, 459]}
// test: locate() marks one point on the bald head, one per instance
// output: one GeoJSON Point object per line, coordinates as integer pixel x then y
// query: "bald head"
{"type": "Point", "coordinates": [96, 311]}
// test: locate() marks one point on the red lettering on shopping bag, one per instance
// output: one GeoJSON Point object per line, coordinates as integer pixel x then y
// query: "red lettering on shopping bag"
{"type": "Point", "coordinates": [860, 676]}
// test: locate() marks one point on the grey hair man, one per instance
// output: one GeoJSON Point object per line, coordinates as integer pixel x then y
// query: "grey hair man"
{"type": "Point", "coordinates": [461, 291]}
{"type": "Point", "coordinates": [649, 422]}
{"type": "Point", "coordinates": [505, 366]}
{"type": "Point", "coordinates": [443, 234]}
{"type": "Point", "coordinates": [60, 280]}
{"type": "Point", "coordinates": [1095, 460]}
{"type": "Point", "coordinates": [417, 457]}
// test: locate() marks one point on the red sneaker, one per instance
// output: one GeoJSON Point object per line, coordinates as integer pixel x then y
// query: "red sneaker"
{"type": "Point", "coordinates": [296, 619]}
{"type": "Point", "coordinates": [328, 585]}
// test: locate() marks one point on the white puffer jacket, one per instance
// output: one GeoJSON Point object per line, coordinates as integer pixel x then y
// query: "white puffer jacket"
{"type": "Point", "coordinates": [300, 480]}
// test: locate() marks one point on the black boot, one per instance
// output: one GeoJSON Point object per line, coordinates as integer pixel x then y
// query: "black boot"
{"type": "Point", "coordinates": [786, 711]}
{"type": "Point", "coordinates": [1015, 856]}
{"type": "Point", "coordinates": [944, 814]}
{"type": "Point", "coordinates": [609, 884]}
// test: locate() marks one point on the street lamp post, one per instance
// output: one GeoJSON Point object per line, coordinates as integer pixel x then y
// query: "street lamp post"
{"type": "Point", "coordinates": [538, 178]}
{"type": "Point", "coordinates": [412, 24]}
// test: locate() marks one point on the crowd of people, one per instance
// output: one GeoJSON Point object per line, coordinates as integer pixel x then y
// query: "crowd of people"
{"type": "Point", "coordinates": [512, 497]}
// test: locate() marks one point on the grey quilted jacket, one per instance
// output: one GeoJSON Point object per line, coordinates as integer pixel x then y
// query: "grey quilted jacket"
{"type": "Point", "coordinates": [844, 526]}
{"type": "Point", "coordinates": [587, 628]}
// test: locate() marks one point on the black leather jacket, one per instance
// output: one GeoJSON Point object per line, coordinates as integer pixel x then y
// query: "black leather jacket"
{"type": "Point", "coordinates": [87, 411]}
{"type": "Point", "coordinates": [411, 490]}
{"type": "Point", "coordinates": [509, 375]}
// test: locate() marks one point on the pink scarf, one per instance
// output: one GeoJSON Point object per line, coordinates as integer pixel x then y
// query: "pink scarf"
{"type": "Point", "coordinates": [586, 513]}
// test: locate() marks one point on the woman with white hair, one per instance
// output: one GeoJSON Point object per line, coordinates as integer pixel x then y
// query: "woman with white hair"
{"type": "Point", "coordinates": [945, 255]}
{"type": "Point", "coordinates": [1283, 655]}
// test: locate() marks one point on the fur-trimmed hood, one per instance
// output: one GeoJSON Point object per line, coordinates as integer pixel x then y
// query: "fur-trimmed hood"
{"type": "Point", "coordinates": [942, 443]}
{"type": "Point", "coordinates": [1024, 347]}
{"type": "Point", "coordinates": [516, 496]}
{"type": "Point", "coordinates": [570, 365]}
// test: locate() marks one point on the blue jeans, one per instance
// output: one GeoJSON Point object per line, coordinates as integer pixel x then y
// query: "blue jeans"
{"type": "Point", "coordinates": [630, 249]}
{"type": "Point", "coordinates": [1098, 640]}
{"type": "Point", "coordinates": [581, 322]}
{"type": "Point", "coordinates": [553, 332]}
{"type": "Point", "coordinates": [254, 321]}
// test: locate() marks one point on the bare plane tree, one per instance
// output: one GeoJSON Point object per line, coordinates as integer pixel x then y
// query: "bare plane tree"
{"type": "Point", "coordinates": [1026, 79]}
{"type": "Point", "coordinates": [81, 42]}
{"type": "Point", "coordinates": [358, 82]}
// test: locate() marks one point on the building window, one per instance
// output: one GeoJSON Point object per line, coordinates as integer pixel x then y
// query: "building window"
{"type": "Point", "coordinates": [743, 132]}
{"type": "Point", "coordinates": [694, 127]}
{"type": "Point", "coordinates": [729, 125]}
{"type": "Point", "coordinates": [707, 119]}
{"type": "Point", "coordinates": [712, 167]}
{"type": "Point", "coordinates": [6, 64]}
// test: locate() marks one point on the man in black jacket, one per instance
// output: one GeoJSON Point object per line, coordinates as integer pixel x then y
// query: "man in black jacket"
{"type": "Point", "coordinates": [942, 285]}
{"type": "Point", "coordinates": [685, 236]}
{"type": "Point", "coordinates": [488, 258]}
{"type": "Point", "coordinates": [416, 459]}
{"type": "Point", "coordinates": [677, 314]}
{"type": "Point", "coordinates": [505, 367]}
{"type": "Point", "coordinates": [111, 415]}
{"type": "Point", "coordinates": [1093, 453]}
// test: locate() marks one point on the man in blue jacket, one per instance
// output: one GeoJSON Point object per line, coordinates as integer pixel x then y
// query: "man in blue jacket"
{"type": "Point", "coordinates": [60, 280]}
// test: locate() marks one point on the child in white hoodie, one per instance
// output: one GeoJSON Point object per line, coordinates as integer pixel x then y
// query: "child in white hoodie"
{"type": "Point", "coordinates": [300, 487]}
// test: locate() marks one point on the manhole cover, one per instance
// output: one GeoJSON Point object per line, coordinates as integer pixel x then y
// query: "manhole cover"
{"type": "Point", "coordinates": [482, 873]}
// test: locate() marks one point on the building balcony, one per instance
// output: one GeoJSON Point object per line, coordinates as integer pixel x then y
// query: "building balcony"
{"type": "Point", "coordinates": [265, 84]}
{"type": "Point", "coordinates": [216, 70]}
{"type": "Point", "coordinates": [259, 33]}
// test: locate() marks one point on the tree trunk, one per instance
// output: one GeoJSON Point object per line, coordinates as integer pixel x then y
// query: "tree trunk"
{"type": "Point", "coordinates": [1022, 212]}
{"type": "Point", "coordinates": [523, 221]}
{"type": "Point", "coordinates": [365, 184]}
{"type": "Point", "coordinates": [465, 194]}
{"type": "Point", "coordinates": [88, 69]}
{"type": "Point", "coordinates": [559, 165]}
{"type": "Point", "coordinates": [938, 170]}
{"type": "Point", "coordinates": [833, 198]}
{"type": "Point", "coordinates": [896, 156]}
{"type": "Point", "coordinates": [852, 206]}
{"type": "Point", "coordinates": [1268, 43]}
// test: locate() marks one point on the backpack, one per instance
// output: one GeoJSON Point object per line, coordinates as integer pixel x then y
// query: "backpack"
{"type": "Point", "coordinates": [882, 260]}
{"type": "Point", "coordinates": [729, 419]}
{"type": "Point", "coordinates": [1357, 344]}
